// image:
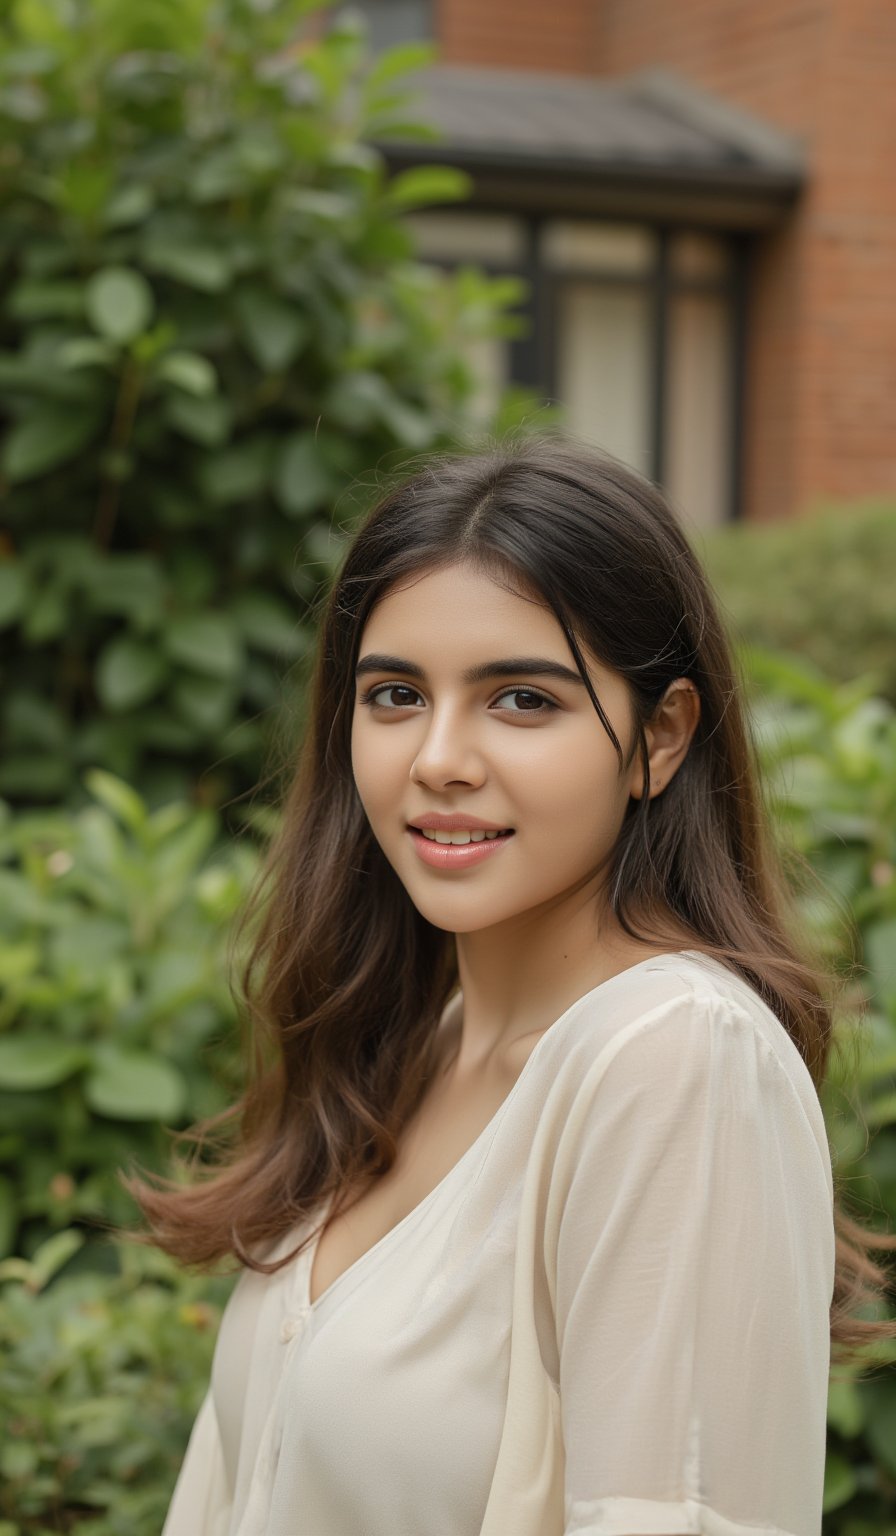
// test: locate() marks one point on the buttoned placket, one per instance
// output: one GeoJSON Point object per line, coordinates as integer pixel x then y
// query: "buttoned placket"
{"type": "Point", "coordinates": [294, 1325]}
{"type": "Point", "coordinates": [255, 1515]}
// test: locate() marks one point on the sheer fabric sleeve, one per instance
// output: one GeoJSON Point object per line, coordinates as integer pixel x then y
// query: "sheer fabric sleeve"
{"type": "Point", "coordinates": [201, 1503]}
{"type": "Point", "coordinates": [694, 1274]}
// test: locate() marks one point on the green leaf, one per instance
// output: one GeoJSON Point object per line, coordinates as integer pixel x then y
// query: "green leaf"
{"type": "Point", "coordinates": [53, 1254]}
{"type": "Point", "coordinates": [119, 303]}
{"type": "Point", "coordinates": [18, 1460]}
{"type": "Point", "coordinates": [13, 591]}
{"type": "Point", "coordinates": [197, 266]}
{"type": "Point", "coordinates": [412, 426]}
{"type": "Point", "coordinates": [880, 1421]}
{"type": "Point", "coordinates": [18, 961]}
{"type": "Point", "coordinates": [85, 352]}
{"type": "Point", "coordinates": [118, 797]}
{"type": "Point", "coordinates": [128, 672]}
{"type": "Point", "coordinates": [177, 858]}
{"type": "Point", "coordinates": [20, 375]}
{"type": "Point", "coordinates": [206, 703]}
{"type": "Point", "coordinates": [130, 584]}
{"type": "Point", "coordinates": [319, 203]}
{"type": "Point", "coordinates": [844, 1407]}
{"type": "Point", "coordinates": [129, 1084]}
{"type": "Point", "coordinates": [880, 956]}
{"type": "Point", "coordinates": [398, 61]}
{"type": "Point", "coordinates": [34, 775]}
{"type": "Point", "coordinates": [423, 185]}
{"type": "Point", "coordinates": [33, 300]}
{"type": "Point", "coordinates": [269, 624]}
{"type": "Point", "coordinates": [128, 205]}
{"type": "Point", "coordinates": [189, 371]}
{"type": "Point", "coordinates": [207, 421]}
{"type": "Point", "coordinates": [383, 127]}
{"type": "Point", "coordinates": [302, 483]}
{"type": "Point", "coordinates": [355, 400]}
{"type": "Point", "coordinates": [274, 330]}
{"type": "Point", "coordinates": [9, 1216]}
{"type": "Point", "coordinates": [33, 719]}
{"type": "Point", "coordinates": [839, 1482]}
{"type": "Point", "coordinates": [205, 642]}
{"type": "Point", "coordinates": [239, 473]}
{"type": "Point", "coordinates": [47, 437]}
{"type": "Point", "coordinates": [881, 1111]}
{"type": "Point", "coordinates": [38, 1062]}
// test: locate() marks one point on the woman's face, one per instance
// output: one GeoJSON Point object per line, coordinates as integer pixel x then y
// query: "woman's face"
{"type": "Point", "coordinates": [524, 750]}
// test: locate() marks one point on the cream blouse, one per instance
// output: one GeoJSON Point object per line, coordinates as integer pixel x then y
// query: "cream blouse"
{"type": "Point", "coordinates": [610, 1318]}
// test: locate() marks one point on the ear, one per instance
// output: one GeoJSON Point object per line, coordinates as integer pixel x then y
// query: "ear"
{"type": "Point", "coordinates": [668, 735]}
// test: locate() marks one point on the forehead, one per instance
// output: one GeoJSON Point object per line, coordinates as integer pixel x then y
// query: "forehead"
{"type": "Point", "coordinates": [457, 619]}
{"type": "Point", "coordinates": [461, 606]}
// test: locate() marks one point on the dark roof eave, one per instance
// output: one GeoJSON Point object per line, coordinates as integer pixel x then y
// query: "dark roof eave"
{"type": "Point", "coordinates": [737, 195]}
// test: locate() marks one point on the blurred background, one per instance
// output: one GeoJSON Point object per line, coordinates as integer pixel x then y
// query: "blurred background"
{"type": "Point", "coordinates": [256, 257]}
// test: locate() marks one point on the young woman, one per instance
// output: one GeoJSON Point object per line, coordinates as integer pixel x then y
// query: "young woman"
{"type": "Point", "coordinates": [532, 1190]}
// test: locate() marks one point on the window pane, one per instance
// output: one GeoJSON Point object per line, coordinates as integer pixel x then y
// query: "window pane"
{"type": "Point", "coordinates": [699, 407]}
{"type": "Point", "coordinates": [487, 237]}
{"type": "Point", "coordinates": [586, 246]}
{"type": "Point", "coordinates": [603, 367]}
{"type": "Point", "coordinates": [487, 356]}
{"type": "Point", "coordinates": [699, 256]}
{"type": "Point", "coordinates": [394, 21]}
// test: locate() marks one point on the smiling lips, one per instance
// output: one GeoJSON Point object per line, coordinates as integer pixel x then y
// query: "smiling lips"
{"type": "Point", "coordinates": [456, 855]}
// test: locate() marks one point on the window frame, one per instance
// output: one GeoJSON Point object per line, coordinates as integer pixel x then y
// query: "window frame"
{"type": "Point", "coordinates": [533, 359]}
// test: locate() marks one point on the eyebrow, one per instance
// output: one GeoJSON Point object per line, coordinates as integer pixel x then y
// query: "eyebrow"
{"type": "Point", "coordinates": [533, 666]}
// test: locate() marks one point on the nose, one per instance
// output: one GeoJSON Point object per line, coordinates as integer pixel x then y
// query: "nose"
{"type": "Point", "coordinates": [447, 754]}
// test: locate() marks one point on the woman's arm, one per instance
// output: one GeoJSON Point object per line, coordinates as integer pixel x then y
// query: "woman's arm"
{"type": "Point", "coordinates": [201, 1502]}
{"type": "Point", "coordinates": [693, 1279]}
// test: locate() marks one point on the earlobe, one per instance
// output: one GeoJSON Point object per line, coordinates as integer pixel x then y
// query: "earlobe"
{"type": "Point", "coordinates": [669, 736]}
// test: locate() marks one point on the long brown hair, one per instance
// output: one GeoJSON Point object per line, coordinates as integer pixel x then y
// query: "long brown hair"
{"type": "Point", "coordinates": [345, 981]}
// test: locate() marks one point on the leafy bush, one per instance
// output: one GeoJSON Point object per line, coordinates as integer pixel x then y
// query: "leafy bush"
{"type": "Point", "coordinates": [211, 324]}
{"type": "Point", "coordinates": [817, 587]}
{"type": "Point", "coordinates": [117, 1017]}
{"type": "Point", "coordinates": [100, 1380]}
{"type": "Point", "coordinates": [829, 754]}
{"type": "Point", "coordinates": [103, 1365]}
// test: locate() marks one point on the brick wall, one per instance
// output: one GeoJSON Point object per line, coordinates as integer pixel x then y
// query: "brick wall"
{"type": "Point", "coordinates": [821, 389]}
{"type": "Point", "coordinates": [517, 34]}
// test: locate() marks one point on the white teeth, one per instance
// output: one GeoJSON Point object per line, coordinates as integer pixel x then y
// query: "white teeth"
{"type": "Point", "coordinates": [456, 837]}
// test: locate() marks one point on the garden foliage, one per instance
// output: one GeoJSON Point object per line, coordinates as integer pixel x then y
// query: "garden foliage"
{"type": "Point", "coordinates": [214, 340]}
{"type": "Point", "coordinates": [99, 1323]}
{"type": "Point", "coordinates": [116, 1016]}
{"type": "Point", "coordinates": [817, 586]}
{"type": "Point", "coordinates": [212, 323]}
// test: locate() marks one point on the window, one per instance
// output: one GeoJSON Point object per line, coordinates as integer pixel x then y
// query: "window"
{"type": "Point", "coordinates": [497, 243]}
{"type": "Point", "coordinates": [395, 21]}
{"type": "Point", "coordinates": [634, 329]}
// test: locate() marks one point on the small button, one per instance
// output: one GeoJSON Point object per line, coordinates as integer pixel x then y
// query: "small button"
{"type": "Point", "coordinates": [290, 1326]}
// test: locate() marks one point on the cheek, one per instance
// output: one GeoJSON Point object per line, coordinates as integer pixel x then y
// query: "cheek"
{"type": "Point", "coordinates": [374, 766]}
{"type": "Point", "coordinates": [574, 782]}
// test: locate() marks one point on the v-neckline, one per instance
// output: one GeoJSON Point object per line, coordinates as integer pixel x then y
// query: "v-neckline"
{"type": "Point", "coordinates": [491, 1126]}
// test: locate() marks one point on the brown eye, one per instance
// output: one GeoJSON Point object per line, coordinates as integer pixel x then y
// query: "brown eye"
{"type": "Point", "coordinates": [372, 696]}
{"type": "Point", "coordinates": [528, 693]}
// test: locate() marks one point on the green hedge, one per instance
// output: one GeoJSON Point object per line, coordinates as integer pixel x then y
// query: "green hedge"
{"type": "Point", "coordinates": [100, 1379]}
{"type": "Point", "coordinates": [105, 1349]}
{"type": "Point", "coordinates": [818, 586]}
{"type": "Point", "coordinates": [116, 1015]}
{"type": "Point", "coordinates": [212, 324]}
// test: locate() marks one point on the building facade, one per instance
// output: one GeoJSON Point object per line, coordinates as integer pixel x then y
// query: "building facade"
{"type": "Point", "coordinates": [702, 199]}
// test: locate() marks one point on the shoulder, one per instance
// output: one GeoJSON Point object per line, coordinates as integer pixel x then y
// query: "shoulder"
{"type": "Point", "coordinates": [683, 1027]}
{"type": "Point", "coordinates": [687, 995]}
